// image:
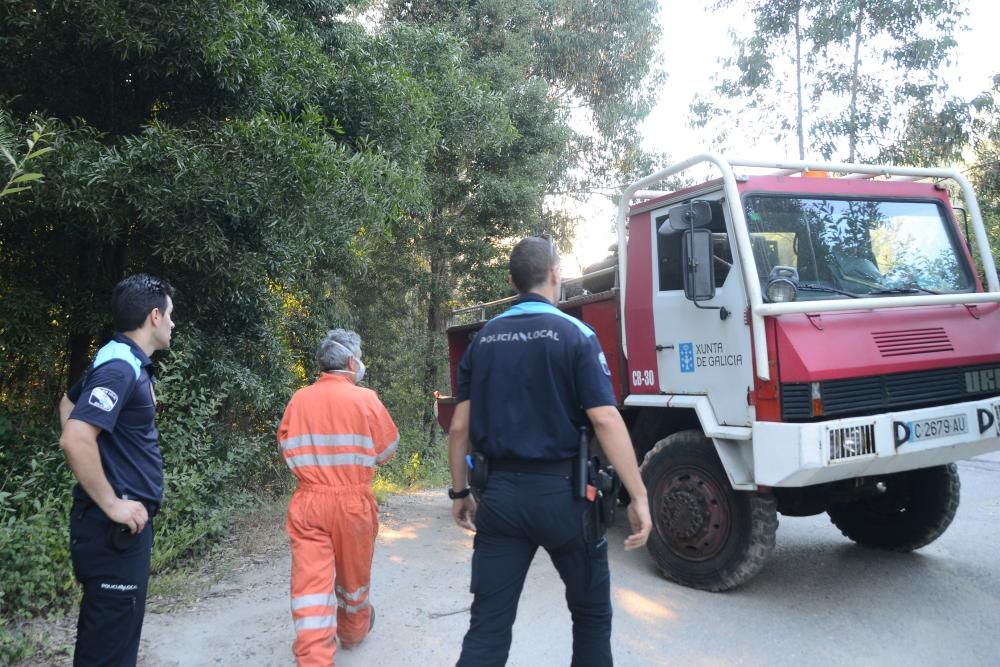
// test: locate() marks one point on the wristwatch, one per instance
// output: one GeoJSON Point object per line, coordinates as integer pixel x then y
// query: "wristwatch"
{"type": "Point", "coordinates": [454, 495]}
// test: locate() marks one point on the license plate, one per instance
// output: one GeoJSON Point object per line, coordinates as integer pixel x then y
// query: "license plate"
{"type": "Point", "coordinates": [939, 427]}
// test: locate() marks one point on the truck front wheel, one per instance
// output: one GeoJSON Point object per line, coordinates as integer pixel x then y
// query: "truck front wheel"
{"type": "Point", "coordinates": [913, 510]}
{"type": "Point", "coordinates": [705, 535]}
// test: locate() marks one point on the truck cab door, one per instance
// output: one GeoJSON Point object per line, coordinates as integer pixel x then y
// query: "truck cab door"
{"type": "Point", "coordinates": [704, 347]}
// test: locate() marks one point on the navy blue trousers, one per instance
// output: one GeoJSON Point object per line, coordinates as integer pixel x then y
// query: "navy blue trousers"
{"type": "Point", "coordinates": [518, 513]}
{"type": "Point", "coordinates": [113, 568]}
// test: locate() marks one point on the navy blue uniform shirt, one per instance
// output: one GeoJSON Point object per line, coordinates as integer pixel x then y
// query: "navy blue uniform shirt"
{"type": "Point", "coordinates": [531, 372]}
{"type": "Point", "coordinates": [117, 397]}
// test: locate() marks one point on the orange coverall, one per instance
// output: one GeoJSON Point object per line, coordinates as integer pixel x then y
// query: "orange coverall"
{"type": "Point", "coordinates": [332, 436]}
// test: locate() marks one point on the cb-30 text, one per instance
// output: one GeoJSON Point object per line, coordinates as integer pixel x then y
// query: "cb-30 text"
{"type": "Point", "coordinates": [643, 378]}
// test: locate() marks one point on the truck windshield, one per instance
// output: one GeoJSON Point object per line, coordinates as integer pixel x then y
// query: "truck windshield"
{"type": "Point", "coordinates": [863, 247]}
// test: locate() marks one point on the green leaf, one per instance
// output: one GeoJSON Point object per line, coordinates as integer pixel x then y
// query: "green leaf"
{"type": "Point", "coordinates": [6, 154]}
{"type": "Point", "coordinates": [10, 191]}
{"type": "Point", "coordinates": [39, 153]}
{"type": "Point", "coordinates": [24, 178]}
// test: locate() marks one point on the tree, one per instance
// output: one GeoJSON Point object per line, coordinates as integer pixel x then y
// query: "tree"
{"type": "Point", "coordinates": [857, 62]}
{"type": "Point", "coordinates": [964, 132]}
{"type": "Point", "coordinates": [935, 132]}
{"type": "Point", "coordinates": [462, 123]}
{"type": "Point", "coordinates": [545, 59]}
{"type": "Point", "coordinates": [195, 141]}
{"type": "Point", "coordinates": [289, 170]}
{"type": "Point", "coordinates": [985, 169]}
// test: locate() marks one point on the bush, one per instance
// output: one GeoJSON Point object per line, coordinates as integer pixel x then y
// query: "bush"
{"type": "Point", "coordinates": [214, 462]}
{"type": "Point", "coordinates": [34, 515]}
{"type": "Point", "coordinates": [413, 465]}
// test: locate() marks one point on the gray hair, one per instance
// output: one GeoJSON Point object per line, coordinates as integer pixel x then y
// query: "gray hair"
{"type": "Point", "coordinates": [337, 346]}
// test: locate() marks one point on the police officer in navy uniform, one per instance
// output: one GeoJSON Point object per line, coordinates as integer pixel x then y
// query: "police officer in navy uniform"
{"type": "Point", "coordinates": [529, 380]}
{"type": "Point", "coordinates": [110, 440]}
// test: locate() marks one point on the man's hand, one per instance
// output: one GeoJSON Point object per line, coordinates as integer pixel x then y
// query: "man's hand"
{"type": "Point", "coordinates": [79, 442]}
{"type": "Point", "coordinates": [130, 513]}
{"type": "Point", "coordinates": [639, 520]}
{"type": "Point", "coordinates": [611, 432]}
{"type": "Point", "coordinates": [464, 512]}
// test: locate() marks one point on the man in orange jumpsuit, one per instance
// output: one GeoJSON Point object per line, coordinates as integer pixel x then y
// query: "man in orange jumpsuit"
{"type": "Point", "coordinates": [332, 436]}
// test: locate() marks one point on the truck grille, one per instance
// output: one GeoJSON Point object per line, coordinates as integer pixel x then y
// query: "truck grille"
{"type": "Point", "coordinates": [871, 395]}
{"type": "Point", "coordinates": [851, 442]}
{"type": "Point", "coordinates": [796, 401]}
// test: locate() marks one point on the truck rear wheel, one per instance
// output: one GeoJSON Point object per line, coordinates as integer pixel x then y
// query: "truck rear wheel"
{"type": "Point", "coordinates": [705, 535]}
{"type": "Point", "coordinates": [915, 509]}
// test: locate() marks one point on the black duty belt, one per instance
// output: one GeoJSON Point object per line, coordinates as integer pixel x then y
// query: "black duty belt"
{"type": "Point", "coordinates": [151, 508]}
{"type": "Point", "coordinates": [563, 468]}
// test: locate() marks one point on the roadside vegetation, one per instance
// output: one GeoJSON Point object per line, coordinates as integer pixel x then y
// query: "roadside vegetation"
{"type": "Point", "coordinates": [290, 166]}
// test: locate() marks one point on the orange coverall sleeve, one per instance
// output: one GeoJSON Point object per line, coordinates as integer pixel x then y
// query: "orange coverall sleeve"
{"type": "Point", "coordinates": [384, 432]}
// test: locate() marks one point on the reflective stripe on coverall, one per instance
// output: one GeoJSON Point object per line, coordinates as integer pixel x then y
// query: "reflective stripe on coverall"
{"type": "Point", "coordinates": [332, 436]}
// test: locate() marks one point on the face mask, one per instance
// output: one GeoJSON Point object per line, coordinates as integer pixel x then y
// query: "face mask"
{"type": "Point", "coordinates": [358, 374]}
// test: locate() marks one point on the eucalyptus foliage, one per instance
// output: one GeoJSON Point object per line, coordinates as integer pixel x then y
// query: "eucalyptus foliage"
{"type": "Point", "coordinates": [850, 70]}
{"type": "Point", "coordinates": [985, 169]}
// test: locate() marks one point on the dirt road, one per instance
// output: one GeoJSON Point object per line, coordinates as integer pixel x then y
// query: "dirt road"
{"type": "Point", "coordinates": [821, 600]}
{"type": "Point", "coordinates": [419, 588]}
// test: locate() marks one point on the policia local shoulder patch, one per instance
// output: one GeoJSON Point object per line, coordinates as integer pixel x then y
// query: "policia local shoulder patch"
{"type": "Point", "coordinates": [103, 398]}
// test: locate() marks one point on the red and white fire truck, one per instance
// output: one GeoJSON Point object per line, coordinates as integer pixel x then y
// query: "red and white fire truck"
{"type": "Point", "coordinates": [797, 338]}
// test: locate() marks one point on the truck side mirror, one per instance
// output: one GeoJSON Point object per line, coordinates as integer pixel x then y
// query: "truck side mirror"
{"type": "Point", "coordinates": [690, 215]}
{"type": "Point", "coordinates": [699, 269]}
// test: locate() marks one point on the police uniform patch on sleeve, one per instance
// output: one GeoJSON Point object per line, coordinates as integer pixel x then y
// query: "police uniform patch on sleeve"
{"type": "Point", "coordinates": [103, 398]}
{"type": "Point", "coordinates": [604, 364]}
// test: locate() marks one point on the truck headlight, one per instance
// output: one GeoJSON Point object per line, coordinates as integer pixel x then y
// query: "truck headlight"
{"type": "Point", "coordinates": [782, 285]}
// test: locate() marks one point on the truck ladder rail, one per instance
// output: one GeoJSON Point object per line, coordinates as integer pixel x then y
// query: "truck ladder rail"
{"type": "Point", "coordinates": [744, 248]}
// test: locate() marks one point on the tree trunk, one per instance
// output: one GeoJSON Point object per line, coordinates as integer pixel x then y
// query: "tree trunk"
{"type": "Point", "coordinates": [853, 124]}
{"type": "Point", "coordinates": [434, 327]}
{"type": "Point", "coordinates": [430, 365]}
{"type": "Point", "coordinates": [78, 342]}
{"type": "Point", "coordinates": [111, 260]}
{"type": "Point", "coordinates": [79, 356]}
{"type": "Point", "coordinates": [798, 81]}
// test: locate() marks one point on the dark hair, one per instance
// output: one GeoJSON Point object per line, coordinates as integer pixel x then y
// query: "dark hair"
{"type": "Point", "coordinates": [531, 260]}
{"type": "Point", "coordinates": [135, 297]}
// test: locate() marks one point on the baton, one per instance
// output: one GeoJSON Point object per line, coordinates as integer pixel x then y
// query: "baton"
{"type": "Point", "coordinates": [582, 456]}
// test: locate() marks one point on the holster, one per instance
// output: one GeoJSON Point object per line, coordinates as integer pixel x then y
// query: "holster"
{"type": "Point", "coordinates": [479, 471]}
{"type": "Point", "coordinates": [607, 485]}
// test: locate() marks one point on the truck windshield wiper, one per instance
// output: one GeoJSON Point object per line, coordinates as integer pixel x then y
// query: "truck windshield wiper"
{"type": "Point", "coordinates": [824, 288]}
{"type": "Point", "coordinates": [904, 290]}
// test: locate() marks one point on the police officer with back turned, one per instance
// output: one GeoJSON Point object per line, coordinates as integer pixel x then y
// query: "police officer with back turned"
{"type": "Point", "coordinates": [531, 378]}
{"type": "Point", "coordinates": [110, 440]}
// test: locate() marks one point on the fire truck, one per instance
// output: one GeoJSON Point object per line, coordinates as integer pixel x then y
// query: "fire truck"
{"type": "Point", "coordinates": [795, 338]}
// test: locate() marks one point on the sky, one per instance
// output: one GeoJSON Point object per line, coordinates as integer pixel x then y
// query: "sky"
{"type": "Point", "coordinates": [698, 37]}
